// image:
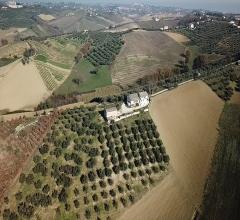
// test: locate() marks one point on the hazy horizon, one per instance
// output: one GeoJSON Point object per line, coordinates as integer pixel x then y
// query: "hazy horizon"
{"type": "Point", "coordinates": [213, 5]}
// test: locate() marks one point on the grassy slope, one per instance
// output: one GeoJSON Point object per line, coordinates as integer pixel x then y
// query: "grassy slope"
{"type": "Point", "coordinates": [222, 194]}
{"type": "Point", "coordinates": [88, 81]}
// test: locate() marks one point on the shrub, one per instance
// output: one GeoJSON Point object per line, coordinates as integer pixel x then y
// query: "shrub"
{"type": "Point", "coordinates": [104, 194]}
{"type": "Point", "coordinates": [102, 184]}
{"type": "Point", "coordinates": [76, 203]}
{"type": "Point", "coordinates": [44, 149]}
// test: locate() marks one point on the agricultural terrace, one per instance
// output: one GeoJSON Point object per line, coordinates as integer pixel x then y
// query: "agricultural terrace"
{"type": "Point", "coordinates": [183, 116]}
{"type": "Point", "coordinates": [51, 75]}
{"type": "Point", "coordinates": [87, 168]}
{"type": "Point", "coordinates": [142, 53]}
{"type": "Point", "coordinates": [85, 77]}
{"type": "Point", "coordinates": [215, 37]}
{"type": "Point", "coordinates": [58, 51]}
{"type": "Point", "coordinates": [224, 179]}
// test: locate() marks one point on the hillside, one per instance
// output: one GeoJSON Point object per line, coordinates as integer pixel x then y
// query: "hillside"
{"type": "Point", "coordinates": [142, 53]}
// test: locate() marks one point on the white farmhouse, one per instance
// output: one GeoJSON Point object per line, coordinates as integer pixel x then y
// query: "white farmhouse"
{"type": "Point", "coordinates": [144, 98]}
{"type": "Point", "coordinates": [111, 113]}
{"type": "Point", "coordinates": [133, 100]}
{"type": "Point", "coordinates": [13, 4]}
{"type": "Point", "coordinates": [165, 28]}
{"type": "Point", "coordinates": [191, 26]}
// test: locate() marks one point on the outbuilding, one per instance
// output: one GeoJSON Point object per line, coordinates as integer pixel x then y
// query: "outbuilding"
{"type": "Point", "coordinates": [144, 98]}
{"type": "Point", "coordinates": [111, 113]}
{"type": "Point", "coordinates": [133, 100]}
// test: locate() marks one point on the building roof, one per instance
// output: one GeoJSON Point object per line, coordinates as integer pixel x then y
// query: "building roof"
{"type": "Point", "coordinates": [133, 97]}
{"type": "Point", "coordinates": [111, 110]}
{"type": "Point", "coordinates": [143, 95]}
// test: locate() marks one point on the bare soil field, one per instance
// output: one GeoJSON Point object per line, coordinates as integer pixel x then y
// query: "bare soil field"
{"type": "Point", "coordinates": [177, 37]}
{"type": "Point", "coordinates": [13, 49]}
{"type": "Point", "coordinates": [187, 119]}
{"type": "Point", "coordinates": [69, 24]}
{"type": "Point", "coordinates": [235, 98]}
{"type": "Point", "coordinates": [10, 34]}
{"type": "Point", "coordinates": [124, 27]}
{"type": "Point", "coordinates": [142, 54]}
{"type": "Point", "coordinates": [45, 17]}
{"type": "Point", "coordinates": [21, 87]}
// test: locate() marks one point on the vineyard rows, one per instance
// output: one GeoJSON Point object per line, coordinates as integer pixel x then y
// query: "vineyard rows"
{"type": "Point", "coordinates": [47, 77]}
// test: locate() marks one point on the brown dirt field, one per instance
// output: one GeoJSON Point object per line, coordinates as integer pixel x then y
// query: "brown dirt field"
{"type": "Point", "coordinates": [21, 87]}
{"type": "Point", "coordinates": [177, 37]}
{"type": "Point", "coordinates": [45, 17]}
{"type": "Point", "coordinates": [142, 54]}
{"type": "Point", "coordinates": [235, 98]}
{"type": "Point", "coordinates": [11, 33]}
{"type": "Point", "coordinates": [123, 27]}
{"type": "Point", "coordinates": [187, 120]}
{"type": "Point", "coordinates": [13, 49]}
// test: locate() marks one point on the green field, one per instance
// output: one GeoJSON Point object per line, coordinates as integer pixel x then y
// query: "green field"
{"type": "Point", "coordinates": [222, 194]}
{"type": "Point", "coordinates": [59, 51]}
{"type": "Point", "coordinates": [87, 81]}
{"type": "Point", "coordinates": [42, 58]}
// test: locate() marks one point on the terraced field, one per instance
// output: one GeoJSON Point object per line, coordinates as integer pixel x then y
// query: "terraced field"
{"type": "Point", "coordinates": [143, 52]}
{"type": "Point", "coordinates": [59, 52]}
{"type": "Point", "coordinates": [51, 76]}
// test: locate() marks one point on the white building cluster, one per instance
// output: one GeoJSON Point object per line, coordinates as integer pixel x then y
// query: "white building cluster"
{"type": "Point", "coordinates": [13, 4]}
{"type": "Point", "coordinates": [138, 99]}
{"type": "Point", "coordinates": [134, 102]}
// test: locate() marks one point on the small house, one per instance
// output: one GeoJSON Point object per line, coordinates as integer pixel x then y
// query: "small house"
{"type": "Point", "coordinates": [144, 98]}
{"type": "Point", "coordinates": [165, 28]}
{"type": "Point", "coordinates": [111, 113]}
{"type": "Point", "coordinates": [191, 26]}
{"type": "Point", "coordinates": [133, 100]}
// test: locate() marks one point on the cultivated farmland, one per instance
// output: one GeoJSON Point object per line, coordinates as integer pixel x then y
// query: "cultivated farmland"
{"type": "Point", "coordinates": [51, 75]}
{"type": "Point", "coordinates": [58, 51]}
{"type": "Point", "coordinates": [142, 53]}
{"type": "Point", "coordinates": [13, 49]}
{"type": "Point", "coordinates": [89, 169]}
{"type": "Point", "coordinates": [187, 119]}
{"type": "Point", "coordinates": [21, 87]}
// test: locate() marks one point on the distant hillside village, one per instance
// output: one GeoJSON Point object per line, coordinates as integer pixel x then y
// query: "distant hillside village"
{"type": "Point", "coordinates": [12, 4]}
{"type": "Point", "coordinates": [132, 106]}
